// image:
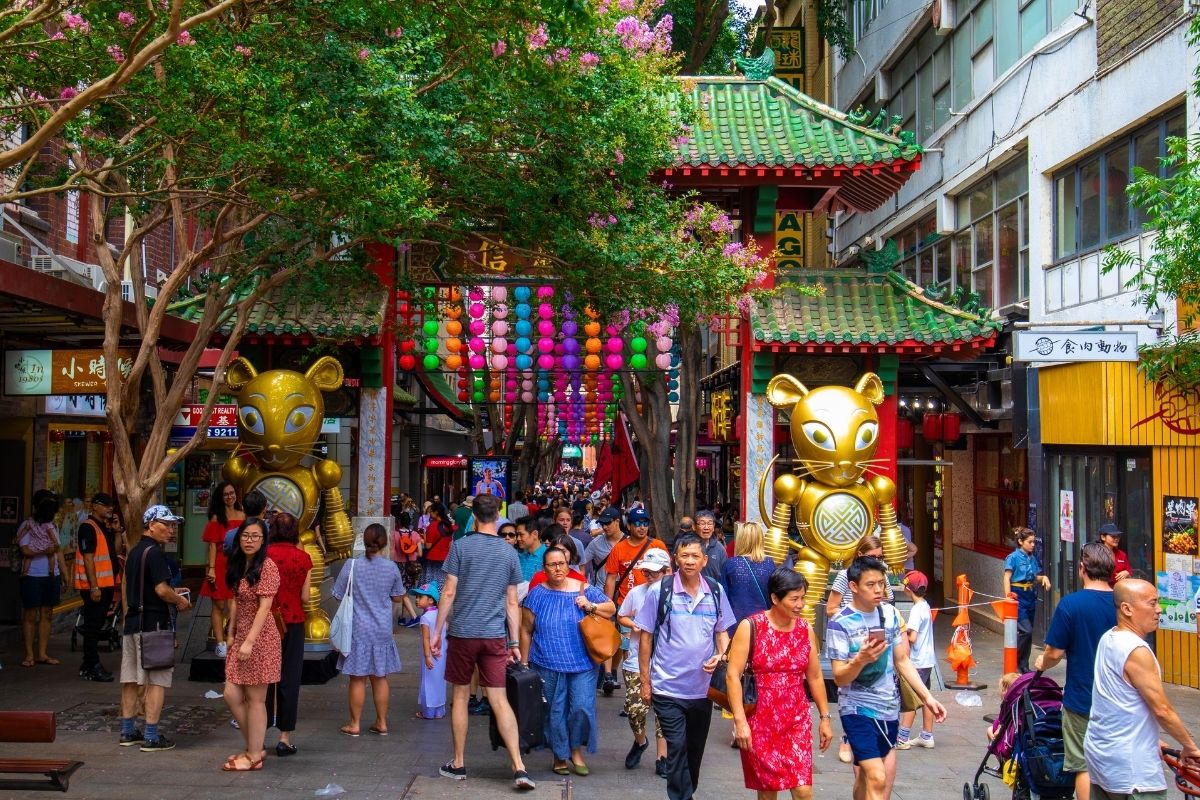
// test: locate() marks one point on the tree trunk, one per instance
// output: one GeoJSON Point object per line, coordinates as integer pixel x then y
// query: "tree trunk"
{"type": "Point", "coordinates": [653, 431]}
{"type": "Point", "coordinates": [688, 423]}
{"type": "Point", "coordinates": [710, 21]}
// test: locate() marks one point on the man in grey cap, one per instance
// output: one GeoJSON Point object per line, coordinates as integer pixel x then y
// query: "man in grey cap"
{"type": "Point", "coordinates": [148, 597]}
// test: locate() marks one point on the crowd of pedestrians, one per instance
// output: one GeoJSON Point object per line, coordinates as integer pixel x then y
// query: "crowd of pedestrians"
{"type": "Point", "coordinates": [498, 595]}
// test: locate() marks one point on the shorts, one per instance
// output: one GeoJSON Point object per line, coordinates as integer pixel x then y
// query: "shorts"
{"type": "Point", "coordinates": [131, 665]}
{"type": "Point", "coordinates": [1074, 728]}
{"type": "Point", "coordinates": [624, 631]}
{"type": "Point", "coordinates": [1099, 793]}
{"type": "Point", "coordinates": [869, 737]}
{"type": "Point", "coordinates": [43, 591]}
{"type": "Point", "coordinates": [463, 655]}
{"type": "Point", "coordinates": [925, 673]}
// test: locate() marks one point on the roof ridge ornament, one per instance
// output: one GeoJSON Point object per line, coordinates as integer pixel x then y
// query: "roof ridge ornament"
{"type": "Point", "coordinates": [757, 68]}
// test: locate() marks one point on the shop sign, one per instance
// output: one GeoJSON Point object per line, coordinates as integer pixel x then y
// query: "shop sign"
{"type": "Point", "coordinates": [76, 405]}
{"type": "Point", "coordinates": [789, 240]}
{"type": "Point", "coordinates": [51, 372]}
{"type": "Point", "coordinates": [788, 44]}
{"type": "Point", "coordinates": [444, 462]}
{"type": "Point", "coordinates": [703, 462]}
{"type": "Point", "coordinates": [331, 425]}
{"type": "Point", "coordinates": [1076, 346]}
{"type": "Point", "coordinates": [720, 417]}
{"type": "Point", "coordinates": [221, 425]}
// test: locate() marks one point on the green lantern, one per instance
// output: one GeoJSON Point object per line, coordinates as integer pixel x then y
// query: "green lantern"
{"type": "Point", "coordinates": [431, 345]}
{"type": "Point", "coordinates": [637, 361]}
{"type": "Point", "coordinates": [430, 328]}
{"type": "Point", "coordinates": [637, 344]}
{"type": "Point", "coordinates": [431, 362]}
{"type": "Point", "coordinates": [477, 396]}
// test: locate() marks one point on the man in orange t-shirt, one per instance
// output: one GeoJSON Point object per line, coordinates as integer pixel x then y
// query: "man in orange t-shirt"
{"type": "Point", "coordinates": [619, 567]}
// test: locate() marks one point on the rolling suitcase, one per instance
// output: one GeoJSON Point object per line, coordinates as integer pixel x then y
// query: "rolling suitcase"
{"type": "Point", "coordinates": [524, 689]}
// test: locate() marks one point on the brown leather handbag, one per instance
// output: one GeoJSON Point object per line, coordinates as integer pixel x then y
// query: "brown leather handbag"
{"type": "Point", "coordinates": [600, 635]}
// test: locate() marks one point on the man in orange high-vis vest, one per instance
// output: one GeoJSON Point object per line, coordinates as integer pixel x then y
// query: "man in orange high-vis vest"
{"type": "Point", "coordinates": [94, 580]}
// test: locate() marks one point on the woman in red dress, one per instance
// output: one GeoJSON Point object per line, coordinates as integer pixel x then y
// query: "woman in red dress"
{"type": "Point", "coordinates": [224, 512]}
{"type": "Point", "coordinates": [254, 657]}
{"type": "Point", "coordinates": [776, 742]}
{"type": "Point", "coordinates": [438, 537]}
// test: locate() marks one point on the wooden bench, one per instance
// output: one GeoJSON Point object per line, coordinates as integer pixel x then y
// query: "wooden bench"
{"type": "Point", "coordinates": [33, 726]}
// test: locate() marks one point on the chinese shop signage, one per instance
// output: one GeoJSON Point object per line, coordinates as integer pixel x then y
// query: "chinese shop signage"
{"type": "Point", "coordinates": [222, 423]}
{"type": "Point", "coordinates": [788, 44]}
{"type": "Point", "coordinates": [1076, 346]}
{"type": "Point", "coordinates": [53, 372]}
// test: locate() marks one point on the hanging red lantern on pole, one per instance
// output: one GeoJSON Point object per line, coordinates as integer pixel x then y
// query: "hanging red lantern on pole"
{"type": "Point", "coordinates": [931, 427]}
{"type": "Point", "coordinates": [904, 433]}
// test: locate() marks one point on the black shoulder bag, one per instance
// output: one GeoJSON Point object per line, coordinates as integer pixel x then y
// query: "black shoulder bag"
{"type": "Point", "coordinates": [157, 647]}
{"type": "Point", "coordinates": [718, 690]}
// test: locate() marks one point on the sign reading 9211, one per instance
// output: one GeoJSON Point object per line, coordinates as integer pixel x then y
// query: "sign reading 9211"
{"type": "Point", "coordinates": [1076, 346]}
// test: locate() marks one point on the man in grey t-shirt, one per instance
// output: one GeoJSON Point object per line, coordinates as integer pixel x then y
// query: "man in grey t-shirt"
{"type": "Point", "coordinates": [478, 600]}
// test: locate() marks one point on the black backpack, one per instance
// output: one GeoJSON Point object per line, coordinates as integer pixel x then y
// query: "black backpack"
{"type": "Point", "coordinates": [666, 588]}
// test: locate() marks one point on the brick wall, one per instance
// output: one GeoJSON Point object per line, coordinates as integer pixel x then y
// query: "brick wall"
{"type": "Point", "coordinates": [1123, 25]}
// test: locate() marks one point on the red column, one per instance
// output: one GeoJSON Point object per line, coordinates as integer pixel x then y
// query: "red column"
{"type": "Point", "coordinates": [886, 449]}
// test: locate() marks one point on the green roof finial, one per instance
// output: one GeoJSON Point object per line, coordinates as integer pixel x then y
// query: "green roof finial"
{"type": "Point", "coordinates": [757, 69]}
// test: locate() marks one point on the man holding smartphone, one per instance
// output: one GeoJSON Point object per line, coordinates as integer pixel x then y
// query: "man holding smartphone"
{"type": "Point", "coordinates": [868, 648]}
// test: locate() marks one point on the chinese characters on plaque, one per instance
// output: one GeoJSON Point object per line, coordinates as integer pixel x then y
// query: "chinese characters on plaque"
{"type": "Point", "coordinates": [1076, 346]}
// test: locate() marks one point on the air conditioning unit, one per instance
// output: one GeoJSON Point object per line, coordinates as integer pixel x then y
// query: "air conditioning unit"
{"type": "Point", "coordinates": [12, 249]}
{"type": "Point", "coordinates": [67, 269]}
{"type": "Point", "coordinates": [943, 16]}
{"type": "Point", "coordinates": [127, 291]}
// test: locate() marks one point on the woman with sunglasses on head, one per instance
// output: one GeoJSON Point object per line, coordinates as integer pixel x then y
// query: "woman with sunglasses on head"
{"type": "Point", "coordinates": [255, 648]}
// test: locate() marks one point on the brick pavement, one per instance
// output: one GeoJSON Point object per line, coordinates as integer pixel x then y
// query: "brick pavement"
{"type": "Point", "coordinates": [404, 765]}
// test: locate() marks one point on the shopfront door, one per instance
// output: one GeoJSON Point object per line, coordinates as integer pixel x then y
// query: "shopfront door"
{"type": "Point", "coordinates": [1087, 490]}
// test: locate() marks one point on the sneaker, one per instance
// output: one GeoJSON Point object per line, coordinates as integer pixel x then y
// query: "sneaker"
{"type": "Point", "coordinates": [905, 745]}
{"type": "Point", "coordinates": [415, 622]}
{"type": "Point", "coordinates": [660, 767]}
{"type": "Point", "coordinates": [922, 741]}
{"type": "Point", "coordinates": [448, 770]}
{"type": "Point", "coordinates": [130, 739]}
{"type": "Point", "coordinates": [610, 684]}
{"type": "Point", "coordinates": [221, 650]}
{"type": "Point", "coordinates": [522, 782]}
{"type": "Point", "coordinates": [635, 754]}
{"type": "Point", "coordinates": [479, 709]}
{"type": "Point", "coordinates": [157, 745]}
{"type": "Point", "coordinates": [233, 723]}
{"type": "Point", "coordinates": [96, 673]}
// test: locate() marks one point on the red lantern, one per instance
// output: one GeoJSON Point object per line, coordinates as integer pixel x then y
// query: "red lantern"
{"type": "Point", "coordinates": [931, 427]}
{"type": "Point", "coordinates": [951, 426]}
{"type": "Point", "coordinates": [407, 363]}
{"type": "Point", "coordinates": [904, 433]}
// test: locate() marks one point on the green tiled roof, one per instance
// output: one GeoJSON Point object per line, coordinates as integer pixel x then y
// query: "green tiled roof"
{"type": "Point", "coordinates": [402, 396]}
{"type": "Point", "coordinates": [863, 311]}
{"type": "Point", "coordinates": [358, 313]}
{"type": "Point", "coordinates": [771, 124]}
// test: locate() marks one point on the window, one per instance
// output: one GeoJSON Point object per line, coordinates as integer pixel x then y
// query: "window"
{"type": "Point", "coordinates": [1091, 205]}
{"type": "Point", "coordinates": [921, 85]}
{"type": "Point", "coordinates": [72, 217]}
{"type": "Point", "coordinates": [991, 247]}
{"type": "Point", "coordinates": [1001, 492]}
{"type": "Point", "coordinates": [1000, 32]}
{"type": "Point", "coordinates": [925, 254]}
{"type": "Point", "coordinates": [862, 13]}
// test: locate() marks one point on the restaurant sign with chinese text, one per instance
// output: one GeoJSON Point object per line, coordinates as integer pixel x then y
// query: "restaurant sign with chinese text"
{"type": "Point", "coordinates": [52, 372]}
{"type": "Point", "coordinates": [1076, 346]}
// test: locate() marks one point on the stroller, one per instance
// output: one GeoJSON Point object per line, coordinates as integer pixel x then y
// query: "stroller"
{"type": "Point", "coordinates": [1028, 746]}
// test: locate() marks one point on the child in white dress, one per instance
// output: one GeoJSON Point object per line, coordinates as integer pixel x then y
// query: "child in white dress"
{"type": "Point", "coordinates": [431, 696]}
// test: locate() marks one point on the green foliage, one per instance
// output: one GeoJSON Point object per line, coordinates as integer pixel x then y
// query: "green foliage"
{"type": "Point", "coordinates": [833, 23]}
{"type": "Point", "coordinates": [730, 41]}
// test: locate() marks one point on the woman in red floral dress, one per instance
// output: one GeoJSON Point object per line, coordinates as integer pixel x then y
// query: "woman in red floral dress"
{"type": "Point", "coordinates": [254, 657]}
{"type": "Point", "coordinates": [776, 742]}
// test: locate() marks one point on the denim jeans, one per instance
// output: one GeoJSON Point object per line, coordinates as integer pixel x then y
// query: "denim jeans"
{"type": "Point", "coordinates": [570, 710]}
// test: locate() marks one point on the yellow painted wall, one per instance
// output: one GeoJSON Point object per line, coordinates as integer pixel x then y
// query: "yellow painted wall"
{"type": "Point", "coordinates": [1112, 404]}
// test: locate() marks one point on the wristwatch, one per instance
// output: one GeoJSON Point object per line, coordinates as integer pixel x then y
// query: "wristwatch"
{"type": "Point", "coordinates": [825, 716]}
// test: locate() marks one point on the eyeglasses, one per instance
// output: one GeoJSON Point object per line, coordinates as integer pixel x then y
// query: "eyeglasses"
{"type": "Point", "coordinates": [556, 565]}
{"type": "Point", "coordinates": [252, 537]}
{"type": "Point", "coordinates": [229, 494]}
{"type": "Point", "coordinates": [509, 535]}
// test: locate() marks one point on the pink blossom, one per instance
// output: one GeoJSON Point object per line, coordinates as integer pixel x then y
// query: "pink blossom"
{"type": "Point", "coordinates": [114, 50]}
{"type": "Point", "coordinates": [589, 60]}
{"type": "Point", "coordinates": [601, 8]}
{"type": "Point", "coordinates": [722, 224]}
{"type": "Point", "coordinates": [681, 141]}
{"type": "Point", "coordinates": [538, 38]}
{"type": "Point", "coordinates": [671, 315]}
{"type": "Point", "coordinates": [662, 34]}
{"type": "Point", "coordinates": [57, 37]}
{"type": "Point", "coordinates": [67, 93]}
{"type": "Point", "coordinates": [36, 96]}
{"type": "Point", "coordinates": [744, 304]}
{"type": "Point", "coordinates": [242, 50]}
{"type": "Point", "coordinates": [364, 54]}
{"type": "Point", "coordinates": [562, 54]}
{"type": "Point", "coordinates": [75, 22]}
{"type": "Point", "coordinates": [619, 156]}
{"type": "Point", "coordinates": [634, 34]}
{"type": "Point", "coordinates": [625, 5]}
{"type": "Point", "coordinates": [499, 48]}
{"type": "Point", "coordinates": [32, 55]}
{"type": "Point", "coordinates": [126, 19]}
{"type": "Point", "coordinates": [731, 249]}
{"type": "Point", "coordinates": [184, 39]}
{"type": "Point", "coordinates": [396, 34]}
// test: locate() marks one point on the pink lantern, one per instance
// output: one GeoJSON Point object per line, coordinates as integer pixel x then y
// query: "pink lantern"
{"type": "Point", "coordinates": [545, 311]}
{"type": "Point", "coordinates": [475, 293]}
{"type": "Point", "coordinates": [613, 361]}
{"type": "Point", "coordinates": [545, 327]}
{"type": "Point", "coordinates": [476, 344]}
{"type": "Point", "coordinates": [663, 344]}
{"type": "Point", "coordinates": [476, 361]}
{"type": "Point", "coordinates": [526, 397]}
{"type": "Point", "coordinates": [614, 345]}
{"type": "Point", "coordinates": [545, 361]}
{"type": "Point", "coordinates": [499, 345]}
{"type": "Point", "coordinates": [499, 328]}
{"type": "Point", "coordinates": [499, 362]}
{"type": "Point", "coordinates": [476, 310]}
{"type": "Point", "coordinates": [499, 293]}
{"type": "Point", "coordinates": [546, 345]}
{"type": "Point", "coordinates": [500, 311]}
{"type": "Point", "coordinates": [663, 361]}
{"type": "Point", "coordinates": [476, 327]}
{"type": "Point", "coordinates": [545, 291]}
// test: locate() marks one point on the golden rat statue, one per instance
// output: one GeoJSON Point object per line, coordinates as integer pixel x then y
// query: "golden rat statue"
{"type": "Point", "coordinates": [279, 421]}
{"type": "Point", "coordinates": [835, 431]}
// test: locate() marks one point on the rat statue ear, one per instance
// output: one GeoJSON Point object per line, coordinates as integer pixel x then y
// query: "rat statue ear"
{"type": "Point", "coordinates": [784, 391]}
{"type": "Point", "coordinates": [239, 373]}
{"type": "Point", "coordinates": [870, 387]}
{"type": "Point", "coordinates": [326, 374]}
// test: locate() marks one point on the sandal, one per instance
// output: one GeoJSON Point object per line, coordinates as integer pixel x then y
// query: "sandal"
{"type": "Point", "coordinates": [346, 729]}
{"type": "Point", "coordinates": [378, 731]}
{"type": "Point", "coordinates": [560, 768]}
{"type": "Point", "coordinates": [54, 662]}
{"type": "Point", "coordinates": [419, 715]}
{"type": "Point", "coordinates": [27, 662]}
{"type": "Point", "coordinates": [251, 765]}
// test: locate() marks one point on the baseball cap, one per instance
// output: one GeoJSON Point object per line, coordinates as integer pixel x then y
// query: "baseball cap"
{"type": "Point", "coordinates": [609, 514]}
{"type": "Point", "coordinates": [103, 499]}
{"type": "Point", "coordinates": [1109, 529]}
{"type": "Point", "coordinates": [916, 580]}
{"type": "Point", "coordinates": [469, 500]}
{"type": "Point", "coordinates": [654, 559]}
{"type": "Point", "coordinates": [159, 512]}
{"type": "Point", "coordinates": [429, 590]}
{"type": "Point", "coordinates": [638, 516]}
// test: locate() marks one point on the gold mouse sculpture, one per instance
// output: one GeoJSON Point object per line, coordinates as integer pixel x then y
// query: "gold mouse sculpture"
{"type": "Point", "coordinates": [835, 430]}
{"type": "Point", "coordinates": [279, 420]}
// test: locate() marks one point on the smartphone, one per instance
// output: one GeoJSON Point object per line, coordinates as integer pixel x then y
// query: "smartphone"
{"type": "Point", "coordinates": [875, 635]}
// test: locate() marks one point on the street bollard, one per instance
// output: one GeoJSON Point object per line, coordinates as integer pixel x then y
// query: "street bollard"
{"type": "Point", "coordinates": [959, 653]}
{"type": "Point", "coordinates": [1006, 610]}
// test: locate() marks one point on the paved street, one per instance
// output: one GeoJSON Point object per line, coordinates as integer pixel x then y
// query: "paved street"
{"type": "Point", "coordinates": [404, 764]}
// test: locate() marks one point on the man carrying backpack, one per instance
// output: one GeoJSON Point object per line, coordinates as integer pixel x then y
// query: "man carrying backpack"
{"type": "Point", "coordinates": [683, 637]}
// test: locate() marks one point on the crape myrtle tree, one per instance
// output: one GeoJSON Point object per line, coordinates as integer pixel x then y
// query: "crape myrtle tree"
{"type": "Point", "coordinates": [1171, 204]}
{"type": "Point", "coordinates": [283, 135]}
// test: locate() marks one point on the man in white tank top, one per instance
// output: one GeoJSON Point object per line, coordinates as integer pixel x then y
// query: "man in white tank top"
{"type": "Point", "coordinates": [1129, 705]}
